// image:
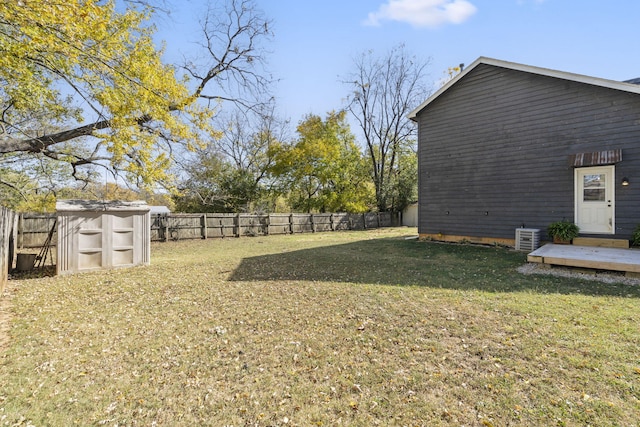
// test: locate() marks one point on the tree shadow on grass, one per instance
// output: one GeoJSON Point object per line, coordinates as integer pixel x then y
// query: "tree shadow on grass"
{"type": "Point", "coordinates": [400, 262]}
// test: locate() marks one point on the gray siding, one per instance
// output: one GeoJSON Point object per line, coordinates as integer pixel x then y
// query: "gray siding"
{"type": "Point", "coordinates": [493, 152]}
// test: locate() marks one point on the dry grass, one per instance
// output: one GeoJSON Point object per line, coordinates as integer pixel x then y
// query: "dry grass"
{"type": "Point", "coordinates": [354, 328]}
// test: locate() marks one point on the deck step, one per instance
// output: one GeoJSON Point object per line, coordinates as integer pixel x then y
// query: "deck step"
{"type": "Point", "coordinates": [601, 243]}
{"type": "Point", "coordinates": [591, 257]}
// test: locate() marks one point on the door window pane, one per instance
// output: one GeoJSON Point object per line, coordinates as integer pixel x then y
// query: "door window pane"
{"type": "Point", "coordinates": [594, 188]}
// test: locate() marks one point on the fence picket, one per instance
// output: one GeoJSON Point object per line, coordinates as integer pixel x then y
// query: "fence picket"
{"type": "Point", "coordinates": [8, 225]}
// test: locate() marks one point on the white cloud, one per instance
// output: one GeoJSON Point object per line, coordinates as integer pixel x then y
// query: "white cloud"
{"type": "Point", "coordinates": [423, 13]}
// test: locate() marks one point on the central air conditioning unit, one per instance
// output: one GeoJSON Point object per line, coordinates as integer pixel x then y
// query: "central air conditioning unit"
{"type": "Point", "coordinates": [527, 239]}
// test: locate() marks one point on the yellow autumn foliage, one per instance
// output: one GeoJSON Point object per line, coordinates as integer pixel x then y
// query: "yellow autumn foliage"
{"type": "Point", "coordinates": [105, 59]}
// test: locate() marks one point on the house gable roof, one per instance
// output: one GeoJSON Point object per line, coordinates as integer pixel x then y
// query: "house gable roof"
{"type": "Point", "coordinates": [596, 81]}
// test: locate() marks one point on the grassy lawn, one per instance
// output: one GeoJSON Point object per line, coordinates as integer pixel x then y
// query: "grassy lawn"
{"type": "Point", "coordinates": [351, 328]}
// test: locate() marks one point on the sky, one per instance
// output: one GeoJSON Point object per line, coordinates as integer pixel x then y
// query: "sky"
{"type": "Point", "coordinates": [315, 42]}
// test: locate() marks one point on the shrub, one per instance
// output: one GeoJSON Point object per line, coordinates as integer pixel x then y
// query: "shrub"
{"type": "Point", "coordinates": [563, 230]}
{"type": "Point", "coordinates": [635, 237]}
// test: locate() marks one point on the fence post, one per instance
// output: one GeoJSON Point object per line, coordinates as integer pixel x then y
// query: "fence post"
{"type": "Point", "coordinates": [164, 223]}
{"type": "Point", "coordinates": [313, 223]}
{"type": "Point", "coordinates": [204, 226]}
{"type": "Point", "coordinates": [266, 228]}
{"type": "Point", "coordinates": [14, 239]}
{"type": "Point", "coordinates": [364, 221]}
{"type": "Point", "coordinates": [268, 224]}
{"type": "Point", "coordinates": [332, 223]}
{"type": "Point", "coordinates": [21, 230]}
{"type": "Point", "coordinates": [6, 245]}
{"type": "Point", "coordinates": [378, 215]}
{"type": "Point", "coordinates": [236, 229]}
{"type": "Point", "coordinates": [291, 224]}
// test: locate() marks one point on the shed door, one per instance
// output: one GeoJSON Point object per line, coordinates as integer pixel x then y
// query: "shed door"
{"type": "Point", "coordinates": [595, 199]}
{"type": "Point", "coordinates": [105, 240]}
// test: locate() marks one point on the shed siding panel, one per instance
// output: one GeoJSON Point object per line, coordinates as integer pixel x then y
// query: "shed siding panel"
{"type": "Point", "coordinates": [493, 152]}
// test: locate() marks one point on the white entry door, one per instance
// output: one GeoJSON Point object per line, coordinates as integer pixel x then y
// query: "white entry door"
{"type": "Point", "coordinates": [595, 199]}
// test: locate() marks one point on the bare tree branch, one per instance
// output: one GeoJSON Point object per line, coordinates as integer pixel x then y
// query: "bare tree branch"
{"type": "Point", "coordinates": [383, 92]}
{"type": "Point", "coordinates": [231, 41]}
{"type": "Point", "coordinates": [14, 188]}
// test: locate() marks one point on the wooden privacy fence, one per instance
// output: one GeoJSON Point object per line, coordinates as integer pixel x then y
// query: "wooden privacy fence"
{"type": "Point", "coordinates": [212, 225]}
{"type": "Point", "coordinates": [34, 228]}
{"type": "Point", "coordinates": [8, 229]}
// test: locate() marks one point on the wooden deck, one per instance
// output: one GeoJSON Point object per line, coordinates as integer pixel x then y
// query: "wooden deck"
{"type": "Point", "coordinates": [592, 257]}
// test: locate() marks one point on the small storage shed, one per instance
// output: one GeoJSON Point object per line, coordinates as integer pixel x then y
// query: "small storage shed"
{"type": "Point", "coordinates": [94, 235]}
{"type": "Point", "coordinates": [410, 216]}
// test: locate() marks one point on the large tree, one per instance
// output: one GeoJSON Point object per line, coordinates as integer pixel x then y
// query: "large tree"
{"type": "Point", "coordinates": [231, 175]}
{"type": "Point", "coordinates": [324, 169]}
{"type": "Point", "coordinates": [383, 91]}
{"type": "Point", "coordinates": [82, 82]}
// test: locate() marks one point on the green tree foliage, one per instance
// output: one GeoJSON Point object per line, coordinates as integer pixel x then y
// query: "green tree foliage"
{"type": "Point", "coordinates": [82, 82]}
{"type": "Point", "coordinates": [403, 182]}
{"type": "Point", "coordinates": [214, 185]}
{"type": "Point", "coordinates": [32, 183]}
{"type": "Point", "coordinates": [324, 170]}
{"type": "Point", "coordinates": [14, 188]}
{"type": "Point", "coordinates": [231, 174]}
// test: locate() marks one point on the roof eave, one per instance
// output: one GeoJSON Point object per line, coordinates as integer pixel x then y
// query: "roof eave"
{"type": "Point", "coordinates": [596, 81]}
{"type": "Point", "coordinates": [444, 88]}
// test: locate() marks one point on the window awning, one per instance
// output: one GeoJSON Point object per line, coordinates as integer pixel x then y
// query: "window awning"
{"type": "Point", "coordinates": [597, 158]}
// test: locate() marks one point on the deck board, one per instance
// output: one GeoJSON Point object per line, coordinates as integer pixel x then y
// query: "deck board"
{"type": "Point", "coordinates": [599, 258]}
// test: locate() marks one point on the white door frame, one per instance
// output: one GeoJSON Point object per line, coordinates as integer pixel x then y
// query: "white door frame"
{"type": "Point", "coordinates": [606, 207]}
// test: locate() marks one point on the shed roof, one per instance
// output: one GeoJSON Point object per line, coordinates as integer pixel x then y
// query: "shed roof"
{"type": "Point", "coordinates": [159, 210]}
{"type": "Point", "coordinates": [76, 205]}
{"type": "Point", "coordinates": [596, 81]}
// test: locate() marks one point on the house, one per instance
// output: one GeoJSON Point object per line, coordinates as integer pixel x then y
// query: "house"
{"type": "Point", "coordinates": [504, 146]}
